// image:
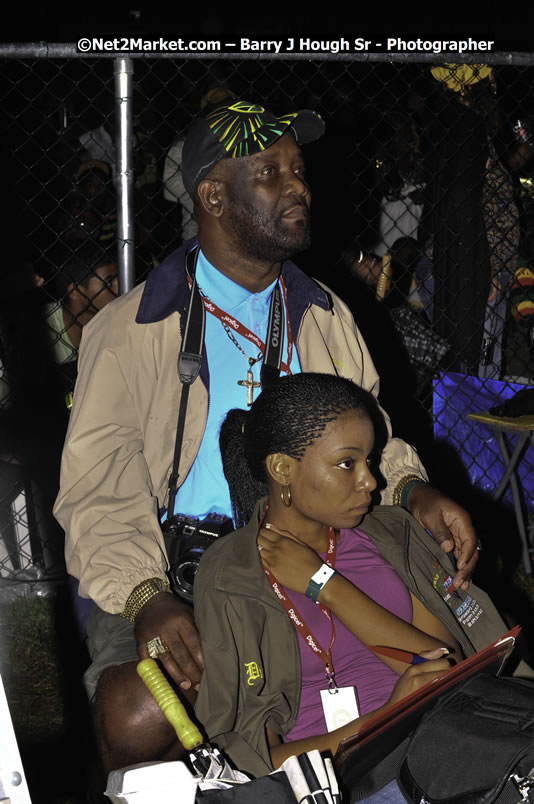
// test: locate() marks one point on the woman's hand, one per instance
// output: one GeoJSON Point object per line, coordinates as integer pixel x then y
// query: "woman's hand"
{"type": "Point", "coordinates": [417, 675]}
{"type": "Point", "coordinates": [412, 679]}
{"type": "Point", "coordinates": [291, 561]}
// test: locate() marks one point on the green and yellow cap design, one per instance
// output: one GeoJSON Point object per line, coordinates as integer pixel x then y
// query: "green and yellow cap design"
{"type": "Point", "coordinates": [240, 130]}
{"type": "Point", "coordinates": [459, 77]}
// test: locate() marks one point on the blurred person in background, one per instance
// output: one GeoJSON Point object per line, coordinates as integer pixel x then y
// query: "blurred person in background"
{"type": "Point", "coordinates": [470, 225]}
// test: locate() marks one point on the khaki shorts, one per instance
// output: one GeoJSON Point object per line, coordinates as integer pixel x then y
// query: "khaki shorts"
{"type": "Point", "coordinates": [110, 641]}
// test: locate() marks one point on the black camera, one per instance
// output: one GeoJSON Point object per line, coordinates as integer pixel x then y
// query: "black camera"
{"type": "Point", "coordinates": [186, 540]}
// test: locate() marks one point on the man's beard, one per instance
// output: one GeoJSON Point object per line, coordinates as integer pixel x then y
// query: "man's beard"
{"type": "Point", "coordinates": [265, 238]}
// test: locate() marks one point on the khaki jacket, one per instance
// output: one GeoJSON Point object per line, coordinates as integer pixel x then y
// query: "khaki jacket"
{"type": "Point", "coordinates": [120, 441]}
{"type": "Point", "coordinates": [252, 675]}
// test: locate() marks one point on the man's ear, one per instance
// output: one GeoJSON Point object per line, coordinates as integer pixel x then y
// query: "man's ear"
{"type": "Point", "coordinates": [281, 468]}
{"type": "Point", "coordinates": [209, 196]}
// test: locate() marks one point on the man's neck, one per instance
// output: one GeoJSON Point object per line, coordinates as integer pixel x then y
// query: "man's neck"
{"type": "Point", "coordinates": [254, 275]}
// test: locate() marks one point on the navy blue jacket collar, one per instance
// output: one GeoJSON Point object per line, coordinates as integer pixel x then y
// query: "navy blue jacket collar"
{"type": "Point", "coordinates": [166, 291]}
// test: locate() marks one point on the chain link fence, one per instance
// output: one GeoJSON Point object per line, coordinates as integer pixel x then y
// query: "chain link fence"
{"type": "Point", "coordinates": [423, 197]}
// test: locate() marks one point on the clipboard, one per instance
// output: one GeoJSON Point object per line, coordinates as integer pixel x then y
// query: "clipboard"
{"type": "Point", "coordinates": [384, 732]}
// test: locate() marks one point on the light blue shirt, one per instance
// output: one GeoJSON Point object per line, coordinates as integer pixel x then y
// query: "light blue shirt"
{"type": "Point", "coordinates": [205, 489]}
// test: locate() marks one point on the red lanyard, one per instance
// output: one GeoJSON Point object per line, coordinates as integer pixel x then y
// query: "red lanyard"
{"type": "Point", "coordinates": [241, 329]}
{"type": "Point", "coordinates": [298, 621]}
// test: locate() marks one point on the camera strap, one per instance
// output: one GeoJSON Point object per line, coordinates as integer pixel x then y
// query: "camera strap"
{"type": "Point", "coordinates": [190, 356]}
{"type": "Point", "coordinates": [189, 362]}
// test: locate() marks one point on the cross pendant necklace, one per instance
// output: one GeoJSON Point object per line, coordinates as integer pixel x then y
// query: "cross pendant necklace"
{"type": "Point", "coordinates": [249, 382]}
{"type": "Point", "coordinates": [274, 340]}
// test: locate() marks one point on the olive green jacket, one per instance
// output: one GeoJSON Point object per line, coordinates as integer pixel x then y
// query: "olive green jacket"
{"type": "Point", "coordinates": [252, 676]}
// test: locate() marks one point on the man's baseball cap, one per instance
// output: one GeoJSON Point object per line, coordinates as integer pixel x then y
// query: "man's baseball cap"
{"type": "Point", "coordinates": [237, 130]}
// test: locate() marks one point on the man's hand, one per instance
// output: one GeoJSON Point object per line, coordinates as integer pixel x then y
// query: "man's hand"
{"type": "Point", "coordinates": [171, 619]}
{"type": "Point", "coordinates": [449, 525]}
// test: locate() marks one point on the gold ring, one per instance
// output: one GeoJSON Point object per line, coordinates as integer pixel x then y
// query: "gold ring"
{"type": "Point", "coordinates": [156, 647]}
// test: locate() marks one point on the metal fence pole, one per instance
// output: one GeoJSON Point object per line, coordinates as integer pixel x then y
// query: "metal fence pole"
{"type": "Point", "coordinates": [123, 71]}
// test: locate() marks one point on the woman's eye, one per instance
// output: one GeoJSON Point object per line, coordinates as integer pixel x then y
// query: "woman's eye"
{"type": "Point", "coordinates": [348, 464]}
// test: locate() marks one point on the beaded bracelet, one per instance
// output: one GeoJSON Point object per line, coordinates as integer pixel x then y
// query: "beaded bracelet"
{"type": "Point", "coordinates": [142, 593]}
{"type": "Point", "coordinates": [404, 487]}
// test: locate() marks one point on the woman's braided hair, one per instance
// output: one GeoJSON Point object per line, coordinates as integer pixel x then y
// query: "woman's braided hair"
{"type": "Point", "coordinates": [287, 417]}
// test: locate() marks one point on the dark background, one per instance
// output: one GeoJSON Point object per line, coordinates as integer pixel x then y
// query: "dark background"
{"type": "Point", "coordinates": [510, 25]}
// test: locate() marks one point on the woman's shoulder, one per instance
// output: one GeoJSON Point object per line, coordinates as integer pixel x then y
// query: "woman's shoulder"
{"type": "Point", "coordinates": [225, 546]}
{"type": "Point", "coordinates": [387, 518]}
{"type": "Point", "coordinates": [229, 558]}
{"type": "Point", "coordinates": [391, 527]}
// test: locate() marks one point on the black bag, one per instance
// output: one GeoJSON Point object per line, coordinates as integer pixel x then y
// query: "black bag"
{"type": "Point", "coordinates": [475, 746]}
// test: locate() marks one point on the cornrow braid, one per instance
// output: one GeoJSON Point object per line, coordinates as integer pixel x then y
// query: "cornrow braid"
{"type": "Point", "coordinates": [245, 489]}
{"type": "Point", "coordinates": [287, 417]}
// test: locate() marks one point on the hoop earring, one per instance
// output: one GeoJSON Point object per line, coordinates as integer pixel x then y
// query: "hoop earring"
{"type": "Point", "coordinates": [285, 495]}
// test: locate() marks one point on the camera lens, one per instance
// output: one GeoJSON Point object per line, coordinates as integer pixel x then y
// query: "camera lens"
{"type": "Point", "coordinates": [185, 576]}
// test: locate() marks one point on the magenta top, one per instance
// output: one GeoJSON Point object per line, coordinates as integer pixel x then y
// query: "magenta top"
{"type": "Point", "coordinates": [359, 561]}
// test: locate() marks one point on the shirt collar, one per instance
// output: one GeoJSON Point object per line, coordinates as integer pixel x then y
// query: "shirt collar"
{"type": "Point", "coordinates": [166, 290]}
{"type": "Point", "coordinates": [222, 290]}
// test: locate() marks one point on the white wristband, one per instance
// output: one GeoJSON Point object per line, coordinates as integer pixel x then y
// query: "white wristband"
{"type": "Point", "coordinates": [318, 580]}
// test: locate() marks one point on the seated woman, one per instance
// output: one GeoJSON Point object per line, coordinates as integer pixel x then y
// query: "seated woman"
{"type": "Point", "coordinates": [307, 446]}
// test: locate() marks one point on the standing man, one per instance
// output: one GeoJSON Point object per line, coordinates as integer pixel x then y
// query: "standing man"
{"type": "Point", "coordinates": [245, 171]}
